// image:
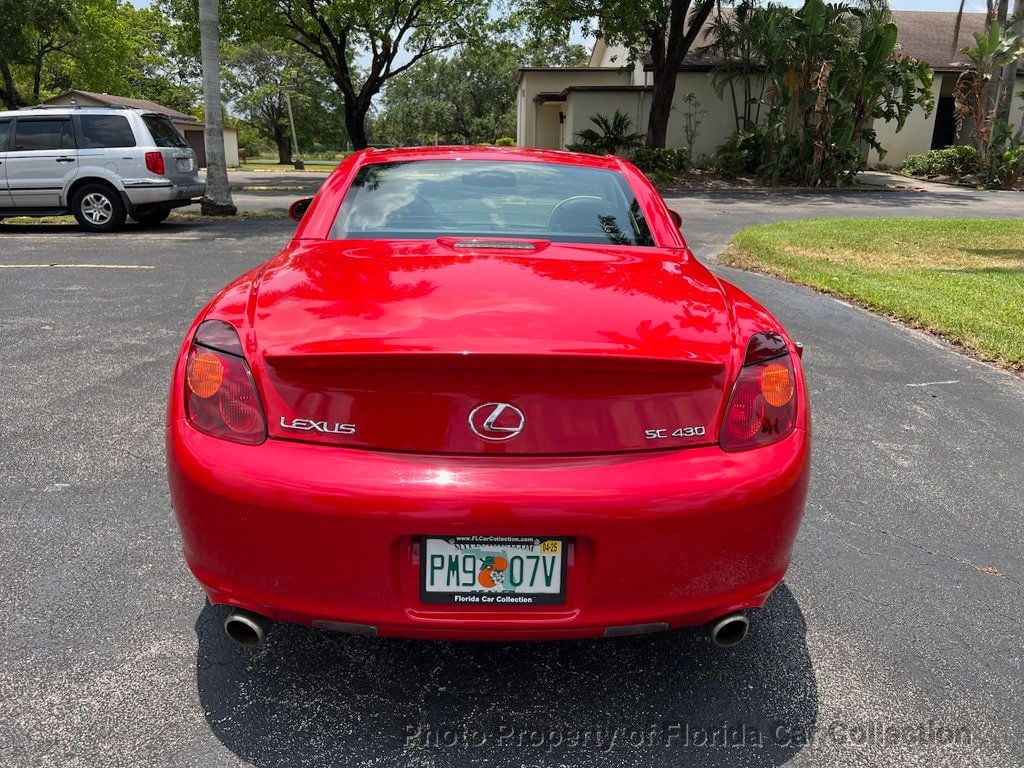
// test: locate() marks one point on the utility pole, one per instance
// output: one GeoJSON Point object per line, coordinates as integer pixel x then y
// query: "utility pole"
{"type": "Point", "coordinates": [296, 160]}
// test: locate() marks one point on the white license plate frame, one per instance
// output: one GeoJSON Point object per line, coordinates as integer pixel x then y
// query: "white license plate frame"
{"type": "Point", "coordinates": [533, 572]}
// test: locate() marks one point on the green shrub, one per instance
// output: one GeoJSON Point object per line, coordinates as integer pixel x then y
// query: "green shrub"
{"type": "Point", "coordinates": [661, 177]}
{"type": "Point", "coordinates": [613, 134]}
{"type": "Point", "coordinates": [1008, 167]}
{"type": "Point", "coordinates": [584, 148]}
{"type": "Point", "coordinates": [668, 161]}
{"type": "Point", "coordinates": [741, 154]}
{"type": "Point", "coordinates": [505, 141]}
{"type": "Point", "coordinates": [956, 161]}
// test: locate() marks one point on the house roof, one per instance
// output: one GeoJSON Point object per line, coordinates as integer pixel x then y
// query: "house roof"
{"type": "Point", "coordinates": [928, 35]}
{"type": "Point", "coordinates": [523, 70]}
{"type": "Point", "coordinates": [924, 35]}
{"type": "Point", "coordinates": [123, 101]}
{"type": "Point", "coordinates": [548, 96]}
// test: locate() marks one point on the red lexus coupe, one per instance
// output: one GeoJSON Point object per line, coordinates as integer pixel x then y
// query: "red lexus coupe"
{"type": "Point", "coordinates": [487, 394]}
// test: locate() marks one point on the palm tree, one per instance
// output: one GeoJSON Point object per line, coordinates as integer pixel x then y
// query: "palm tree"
{"type": "Point", "coordinates": [614, 134]}
{"type": "Point", "coordinates": [217, 201]}
{"type": "Point", "coordinates": [990, 14]}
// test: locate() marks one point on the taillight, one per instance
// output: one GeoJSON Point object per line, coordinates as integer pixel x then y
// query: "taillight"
{"type": "Point", "coordinates": [155, 163]}
{"type": "Point", "coordinates": [220, 394]}
{"type": "Point", "coordinates": [762, 409]}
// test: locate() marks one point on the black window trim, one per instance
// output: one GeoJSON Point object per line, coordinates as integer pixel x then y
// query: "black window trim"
{"type": "Point", "coordinates": [42, 118]}
{"type": "Point", "coordinates": [7, 132]}
{"type": "Point", "coordinates": [80, 131]}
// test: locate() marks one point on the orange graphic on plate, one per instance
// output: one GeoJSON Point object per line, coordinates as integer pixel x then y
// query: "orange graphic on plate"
{"type": "Point", "coordinates": [492, 571]}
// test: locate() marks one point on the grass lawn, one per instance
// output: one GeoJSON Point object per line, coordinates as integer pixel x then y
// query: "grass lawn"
{"type": "Point", "coordinates": [960, 278]}
{"type": "Point", "coordinates": [312, 166]}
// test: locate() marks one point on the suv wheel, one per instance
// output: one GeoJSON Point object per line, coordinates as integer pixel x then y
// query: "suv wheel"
{"type": "Point", "coordinates": [152, 216]}
{"type": "Point", "coordinates": [98, 208]}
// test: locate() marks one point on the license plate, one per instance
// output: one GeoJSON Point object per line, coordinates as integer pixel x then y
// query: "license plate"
{"type": "Point", "coordinates": [184, 164]}
{"type": "Point", "coordinates": [502, 571]}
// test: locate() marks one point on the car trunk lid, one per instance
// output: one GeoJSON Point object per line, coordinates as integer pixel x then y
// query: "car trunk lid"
{"type": "Point", "coordinates": [413, 346]}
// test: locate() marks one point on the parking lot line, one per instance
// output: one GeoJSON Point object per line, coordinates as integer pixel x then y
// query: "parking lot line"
{"type": "Point", "coordinates": [76, 266]}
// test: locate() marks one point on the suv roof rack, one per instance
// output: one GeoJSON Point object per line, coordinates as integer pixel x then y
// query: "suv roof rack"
{"type": "Point", "coordinates": [80, 106]}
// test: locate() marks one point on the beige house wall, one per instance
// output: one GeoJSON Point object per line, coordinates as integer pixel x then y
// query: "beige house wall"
{"type": "Point", "coordinates": [533, 82]}
{"type": "Point", "coordinates": [580, 105]}
{"type": "Point", "coordinates": [539, 124]}
{"type": "Point", "coordinates": [548, 128]}
{"type": "Point", "coordinates": [231, 147]}
{"type": "Point", "coordinates": [230, 141]}
{"type": "Point", "coordinates": [715, 127]}
{"type": "Point", "coordinates": [914, 138]}
{"type": "Point", "coordinates": [616, 56]}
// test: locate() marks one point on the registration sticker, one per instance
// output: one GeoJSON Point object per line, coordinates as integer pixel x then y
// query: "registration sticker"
{"type": "Point", "coordinates": [493, 570]}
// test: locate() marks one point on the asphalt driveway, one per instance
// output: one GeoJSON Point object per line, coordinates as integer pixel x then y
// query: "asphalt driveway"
{"type": "Point", "coordinates": [895, 639]}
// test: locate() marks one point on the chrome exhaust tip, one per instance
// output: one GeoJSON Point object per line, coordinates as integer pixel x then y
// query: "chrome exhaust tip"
{"type": "Point", "coordinates": [729, 630]}
{"type": "Point", "coordinates": [246, 628]}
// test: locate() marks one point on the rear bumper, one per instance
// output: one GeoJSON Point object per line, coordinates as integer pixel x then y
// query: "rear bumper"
{"type": "Point", "coordinates": [310, 533]}
{"type": "Point", "coordinates": [171, 195]}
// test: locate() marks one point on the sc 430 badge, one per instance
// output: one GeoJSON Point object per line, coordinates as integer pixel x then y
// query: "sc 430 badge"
{"type": "Point", "coordinates": [667, 432]}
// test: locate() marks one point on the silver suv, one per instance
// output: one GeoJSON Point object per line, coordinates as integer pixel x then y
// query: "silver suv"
{"type": "Point", "coordinates": [101, 164]}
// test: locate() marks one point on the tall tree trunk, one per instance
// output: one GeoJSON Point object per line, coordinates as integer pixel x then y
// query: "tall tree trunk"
{"type": "Point", "coordinates": [669, 47]}
{"type": "Point", "coordinates": [9, 91]}
{"type": "Point", "coordinates": [662, 94]}
{"type": "Point", "coordinates": [217, 201]}
{"type": "Point", "coordinates": [1009, 73]}
{"type": "Point", "coordinates": [355, 122]}
{"type": "Point", "coordinates": [284, 145]}
{"type": "Point", "coordinates": [37, 76]}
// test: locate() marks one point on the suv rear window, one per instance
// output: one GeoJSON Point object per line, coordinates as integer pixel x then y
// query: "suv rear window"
{"type": "Point", "coordinates": [5, 128]}
{"type": "Point", "coordinates": [164, 132]}
{"type": "Point", "coordinates": [424, 199]}
{"type": "Point", "coordinates": [106, 131]}
{"type": "Point", "coordinates": [42, 134]}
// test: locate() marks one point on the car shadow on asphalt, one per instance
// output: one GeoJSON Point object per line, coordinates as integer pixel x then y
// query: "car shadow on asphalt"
{"type": "Point", "coordinates": [73, 230]}
{"type": "Point", "coordinates": [313, 698]}
{"type": "Point", "coordinates": [234, 227]}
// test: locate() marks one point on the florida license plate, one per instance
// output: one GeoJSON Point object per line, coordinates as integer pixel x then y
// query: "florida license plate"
{"type": "Point", "coordinates": [494, 571]}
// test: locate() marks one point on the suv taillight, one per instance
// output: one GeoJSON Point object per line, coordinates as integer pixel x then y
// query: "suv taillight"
{"type": "Point", "coordinates": [762, 408]}
{"type": "Point", "coordinates": [155, 163]}
{"type": "Point", "coordinates": [220, 394]}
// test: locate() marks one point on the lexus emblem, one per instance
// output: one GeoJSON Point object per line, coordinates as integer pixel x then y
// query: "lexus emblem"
{"type": "Point", "coordinates": [496, 421]}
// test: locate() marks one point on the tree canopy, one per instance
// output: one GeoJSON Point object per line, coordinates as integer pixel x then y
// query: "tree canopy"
{"type": "Point", "coordinates": [468, 97]}
{"type": "Point", "coordinates": [389, 38]}
{"type": "Point", "coordinates": [50, 46]}
{"type": "Point", "coordinates": [256, 79]}
{"type": "Point", "coordinates": [664, 30]}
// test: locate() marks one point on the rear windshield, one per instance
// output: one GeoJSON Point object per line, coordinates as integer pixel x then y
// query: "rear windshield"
{"type": "Point", "coordinates": [164, 132]}
{"type": "Point", "coordinates": [424, 199]}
